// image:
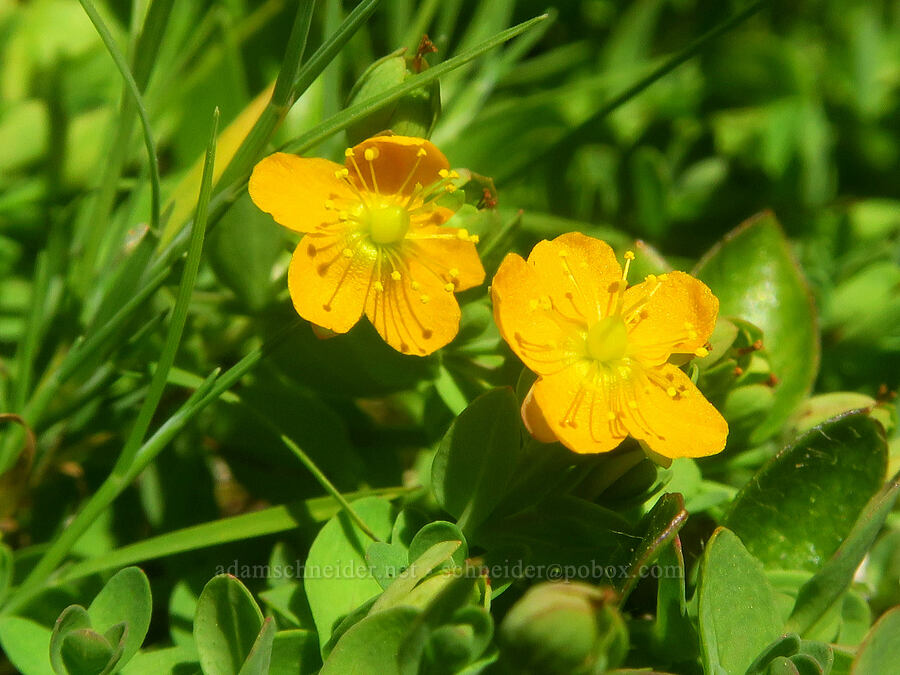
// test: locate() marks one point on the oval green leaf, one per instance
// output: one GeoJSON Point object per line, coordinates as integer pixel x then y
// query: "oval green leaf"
{"type": "Point", "coordinates": [737, 616]}
{"type": "Point", "coordinates": [800, 506]}
{"type": "Point", "coordinates": [755, 277]}
{"type": "Point", "coordinates": [226, 626]}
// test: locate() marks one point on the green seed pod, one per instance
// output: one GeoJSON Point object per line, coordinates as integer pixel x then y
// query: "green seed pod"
{"type": "Point", "coordinates": [563, 628]}
{"type": "Point", "coordinates": [413, 115]}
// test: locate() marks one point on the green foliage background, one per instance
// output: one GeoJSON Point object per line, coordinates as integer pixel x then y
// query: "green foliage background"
{"type": "Point", "coordinates": [179, 417]}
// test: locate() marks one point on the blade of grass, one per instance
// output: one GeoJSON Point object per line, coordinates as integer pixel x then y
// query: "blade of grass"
{"type": "Point", "coordinates": [179, 314]}
{"type": "Point", "coordinates": [329, 486]}
{"type": "Point", "coordinates": [364, 108]}
{"type": "Point", "coordinates": [694, 48]}
{"type": "Point", "coordinates": [227, 194]}
{"type": "Point", "coordinates": [116, 482]}
{"type": "Point", "coordinates": [147, 47]}
{"type": "Point", "coordinates": [296, 515]}
{"type": "Point", "coordinates": [282, 95]}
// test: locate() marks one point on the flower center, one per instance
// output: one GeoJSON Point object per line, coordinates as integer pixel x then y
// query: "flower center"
{"type": "Point", "coordinates": [607, 339]}
{"type": "Point", "coordinates": [386, 224]}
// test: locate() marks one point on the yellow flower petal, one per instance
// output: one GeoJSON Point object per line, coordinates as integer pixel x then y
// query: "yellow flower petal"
{"type": "Point", "coordinates": [398, 162]}
{"type": "Point", "coordinates": [677, 316]}
{"type": "Point", "coordinates": [578, 412]}
{"type": "Point", "coordinates": [454, 258]}
{"type": "Point", "coordinates": [411, 309]}
{"type": "Point", "coordinates": [294, 190]}
{"type": "Point", "coordinates": [535, 421]}
{"type": "Point", "coordinates": [544, 340]}
{"type": "Point", "coordinates": [329, 281]}
{"type": "Point", "coordinates": [683, 425]}
{"type": "Point", "coordinates": [576, 272]}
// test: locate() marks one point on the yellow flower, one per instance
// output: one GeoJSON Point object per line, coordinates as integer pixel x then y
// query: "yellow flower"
{"type": "Point", "coordinates": [602, 349]}
{"type": "Point", "coordinates": [375, 239]}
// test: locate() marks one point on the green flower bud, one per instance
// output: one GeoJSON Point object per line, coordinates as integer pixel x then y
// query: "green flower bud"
{"type": "Point", "coordinates": [737, 377]}
{"type": "Point", "coordinates": [563, 628]}
{"type": "Point", "coordinates": [413, 115]}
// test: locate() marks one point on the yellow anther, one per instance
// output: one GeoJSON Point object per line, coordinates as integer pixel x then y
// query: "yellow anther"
{"type": "Point", "coordinates": [701, 352]}
{"type": "Point", "coordinates": [443, 173]}
{"type": "Point", "coordinates": [651, 278]}
{"type": "Point", "coordinates": [692, 335]}
{"type": "Point", "coordinates": [379, 287]}
{"type": "Point", "coordinates": [663, 277]}
{"type": "Point", "coordinates": [611, 416]}
{"type": "Point", "coordinates": [395, 275]}
{"type": "Point", "coordinates": [343, 215]}
{"type": "Point", "coordinates": [421, 152]}
{"type": "Point", "coordinates": [347, 253]}
{"type": "Point", "coordinates": [462, 234]}
{"type": "Point", "coordinates": [632, 404]}
{"type": "Point", "coordinates": [342, 173]}
{"type": "Point", "coordinates": [453, 272]}
{"type": "Point", "coordinates": [424, 298]}
{"type": "Point", "coordinates": [629, 255]}
{"type": "Point", "coordinates": [415, 285]}
{"type": "Point", "coordinates": [371, 154]}
{"type": "Point", "coordinates": [688, 325]}
{"type": "Point", "coordinates": [451, 188]}
{"type": "Point", "coordinates": [671, 392]}
{"type": "Point", "coordinates": [329, 204]}
{"type": "Point", "coordinates": [474, 238]}
{"type": "Point", "coordinates": [563, 253]}
{"type": "Point", "coordinates": [453, 174]}
{"type": "Point", "coordinates": [449, 287]}
{"type": "Point", "coordinates": [349, 152]}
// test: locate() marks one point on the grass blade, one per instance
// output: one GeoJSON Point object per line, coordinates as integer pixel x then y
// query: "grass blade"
{"type": "Point", "coordinates": [694, 48]}
{"type": "Point", "coordinates": [135, 92]}
{"type": "Point", "coordinates": [364, 108]}
{"type": "Point", "coordinates": [115, 482]}
{"type": "Point", "coordinates": [245, 526]}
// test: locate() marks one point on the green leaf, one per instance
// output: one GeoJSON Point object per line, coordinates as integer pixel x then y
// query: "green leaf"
{"type": "Point", "coordinates": [800, 506]}
{"type": "Point", "coordinates": [879, 653]}
{"type": "Point", "coordinates": [86, 652]}
{"type": "Point", "coordinates": [674, 635]}
{"type": "Point", "coordinates": [6, 570]}
{"type": "Point", "coordinates": [74, 617]}
{"type": "Point", "coordinates": [168, 660]}
{"type": "Point", "coordinates": [337, 577]}
{"type": "Point", "coordinates": [260, 656]}
{"type": "Point", "coordinates": [420, 567]}
{"type": "Point", "coordinates": [818, 594]}
{"type": "Point", "coordinates": [475, 460]}
{"type": "Point", "coordinates": [295, 652]}
{"type": "Point", "coordinates": [737, 617]}
{"type": "Point", "coordinates": [658, 528]}
{"type": "Point", "coordinates": [386, 561]}
{"type": "Point", "coordinates": [372, 645]}
{"type": "Point", "coordinates": [243, 250]}
{"type": "Point", "coordinates": [124, 599]}
{"type": "Point", "coordinates": [435, 533]}
{"type": "Point", "coordinates": [755, 277]}
{"type": "Point", "coordinates": [226, 626]}
{"type": "Point", "coordinates": [26, 644]}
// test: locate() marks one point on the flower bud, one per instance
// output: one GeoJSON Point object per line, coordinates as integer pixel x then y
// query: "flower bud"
{"type": "Point", "coordinates": [563, 628]}
{"type": "Point", "coordinates": [412, 115]}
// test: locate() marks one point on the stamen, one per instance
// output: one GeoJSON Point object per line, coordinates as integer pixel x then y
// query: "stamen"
{"type": "Point", "coordinates": [701, 352]}
{"type": "Point", "coordinates": [396, 276]}
{"type": "Point", "coordinates": [419, 155]}
{"type": "Point", "coordinates": [371, 154]}
{"type": "Point", "coordinates": [449, 288]}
